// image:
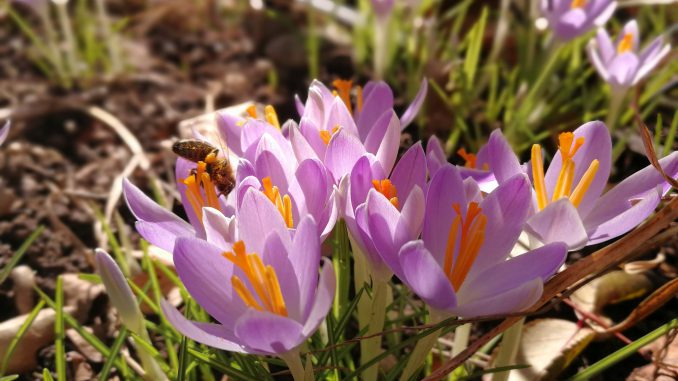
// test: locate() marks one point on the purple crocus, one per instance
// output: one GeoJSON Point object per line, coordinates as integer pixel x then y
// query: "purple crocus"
{"type": "Point", "coordinates": [461, 265]}
{"type": "Point", "coordinates": [263, 289]}
{"type": "Point", "coordinates": [332, 130]}
{"type": "Point", "coordinates": [4, 131]}
{"type": "Point", "coordinates": [383, 8]}
{"type": "Point", "coordinates": [569, 203]}
{"type": "Point", "coordinates": [572, 18]}
{"type": "Point", "coordinates": [622, 64]}
{"type": "Point", "coordinates": [403, 190]}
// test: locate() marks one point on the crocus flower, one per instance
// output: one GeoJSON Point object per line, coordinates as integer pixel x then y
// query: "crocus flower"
{"type": "Point", "coordinates": [383, 8]}
{"type": "Point", "coordinates": [4, 131]}
{"type": "Point", "coordinates": [297, 189]}
{"type": "Point", "coordinates": [124, 301]}
{"type": "Point", "coordinates": [622, 64]}
{"type": "Point", "coordinates": [569, 202]}
{"type": "Point", "coordinates": [572, 18]}
{"type": "Point", "coordinates": [461, 265]}
{"type": "Point", "coordinates": [263, 290]}
{"type": "Point", "coordinates": [337, 133]}
{"type": "Point", "coordinates": [476, 166]}
{"type": "Point", "coordinates": [403, 190]}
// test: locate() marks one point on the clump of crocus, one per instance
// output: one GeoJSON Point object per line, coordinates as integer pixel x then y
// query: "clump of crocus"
{"type": "Point", "coordinates": [621, 63]}
{"type": "Point", "coordinates": [122, 298]}
{"type": "Point", "coordinates": [4, 131]}
{"type": "Point", "coordinates": [570, 205]}
{"type": "Point", "coordinates": [263, 289]}
{"type": "Point", "coordinates": [571, 18]}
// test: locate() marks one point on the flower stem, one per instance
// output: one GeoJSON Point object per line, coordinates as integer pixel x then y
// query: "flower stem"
{"type": "Point", "coordinates": [370, 348]}
{"type": "Point", "coordinates": [508, 350]}
{"type": "Point", "coordinates": [111, 39]}
{"type": "Point", "coordinates": [342, 265]}
{"type": "Point", "coordinates": [69, 37]}
{"type": "Point", "coordinates": [381, 25]}
{"type": "Point", "coordinates": [616, 100]}
{"type": "Point", "coordinates": [293, 361]}
{"type": "Point", "coordinates": [422, 349]}
{"type": "Point", "coordinates": [461, 336]}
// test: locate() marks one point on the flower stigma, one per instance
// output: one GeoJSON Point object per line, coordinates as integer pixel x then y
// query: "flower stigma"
{"type": "Point", "coordinates": [201, 178]}
{"type": "Point", "coordinates": [568, 147]}
{"type": "Point", "coordinates": [343, 90]}
{"type": "Point", "coordinates": [284, 203]}
{"type": "Point", "coordinates": [471, 159]}
{"type": "Point", "coordinates": [263, 280]}
{"type": "Point", "coordinates": [577, 4]}
{"type": "Point", "coordinates": [386, 188]}
{"type": "Point", "coordinates": [470, 232]}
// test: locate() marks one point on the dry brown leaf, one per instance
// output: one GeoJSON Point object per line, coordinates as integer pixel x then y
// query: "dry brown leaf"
{"type": "Point", "coordinates": [84, 348]}
{"type": "Point", "coordinates": [549, 346]}
{"type": "Point", "coordinates": [613, 287]}
{"type": "Point", "coordinates": [23, 279]}
{"type": "Point", "coordinates": [665, 361]}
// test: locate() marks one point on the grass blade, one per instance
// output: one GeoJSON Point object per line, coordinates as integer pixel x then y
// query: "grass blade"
{"type": "Point", "coordinates": [60, 347]}
{"type": "Point", "coordinates": [623, 353]}
{"type": "Point", "coordinates": [115, 349]}
{"type": "Point", "coordinates": [9, 378]}
{"type": "Point", "coordinates": [4, 273]}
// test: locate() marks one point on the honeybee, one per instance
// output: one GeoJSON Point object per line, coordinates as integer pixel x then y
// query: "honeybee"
{"type": "Point", "coordinates": [219, 168]}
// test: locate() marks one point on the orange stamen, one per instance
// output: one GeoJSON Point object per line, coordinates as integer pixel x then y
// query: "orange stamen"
{"type": "Point", "coordinates": [625, 44]}
{"type": "Point", "coordinates": [326, 135]}
{"type": "Point", "coordinates": [577, 4]}
{"type": "Point", "coordinates": [194, 183]}
{"type": "Point", "coordinates": [470, 158]}
{"type": "Point", "coordinates": [252, 111]}
{"type": "Point", "coordinates": [359, 98]}
{"type": "Point", "coordinates": [263, 280]}
{"type": "Point", "coordinates": [584, 183]}
{"type": "Point", "coordinates": [471, 230]}
{"type": "Point", "coordinates": [283, 203]}
{"type": "Point", "coordinates": [344, 91]}
{"type": "Point", "coordinates": [538, 176]}
{"type": "Point", "coordinates": [387, 188]}
{"type": "Point", "coordinates": [271, 116]}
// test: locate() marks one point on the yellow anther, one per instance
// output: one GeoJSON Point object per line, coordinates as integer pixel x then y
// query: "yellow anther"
{"type": "Point", "coordinates": [584, 183]}
{"type": "Point", "coordinates": [471, 231]}
{"type": "Point", "coordinates": [263, 280]}
{"type": "Point", "coordinates": [252, 111]}
{"type": "Point", "coordinates": [326, 136]}
{"type": "Point", "coordinates": [386, 188]}
{"type": "Point", "coordinates": [469, 157]}
{"type": "Point", "coordinates": [282, 203]}
{"type": "Point", "coordinates": [625, 44]}
{"type": "Point", "coordinates": [272, 116]}
{"type": "Point", "coordinates": [538, 176]}
{"type": "Point", "coordinates": [577, 4]}
{"type": "Point", "coordinates": [359, 98]}
{"type": "Point", "coordinates": [344, 91]}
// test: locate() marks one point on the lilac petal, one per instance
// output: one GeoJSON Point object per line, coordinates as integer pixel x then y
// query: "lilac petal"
{"type": "Point", "coordinates": [446, 189]}
{"type": "Point", "coordinates": [315, 103]}
{"type": "Point", "coordinates": [503, 162]}
{"type": "Point", "coordinates": [256, 215]}
{"type": "Point", "coordinates": [314, 184]}
{"type": "Point", "coordinates": [558, 221]}
{"type": "Point", "coordinates": [252, 132]}
{"type": "Point", "coordinates": [119, 292]}
{"type": "Point", "coordinates": [472, 191]}
{"type": "Point", "coordinates": [623, 69]}
{"type": "Point", "coordinates": [199, 331]}
{"type": "Point", "coordinates": [219, 229]}
{"type": "Point", "coordinates": [269, 333]}
{"type": "Point", "coordinates": [484, 179]}
{"type": "Point", "coordinates": [597, 145]}
{"type": "Point", "coordinates": [4, 131]}
{"type": "Point", "coordinates": [366, 169]}
{"type": "Point", "coordinates": [435, 155]}
{"type": "Point", "coordinates": [601, 231]}
{"type": "Point", "coordinates": [383, 140]}
{"type": "Point", "coordinates": [339, 116]}
{"type": "Point", "coordinates": [305, 257]}
{"type": "Point", "coordinates": [410, 171]}
{"type": "Point", "coordinates": [343, 151]}
{"type": "Point", "coordinates": [413, 108]}
{"type": "Point", "coordinates": [598, 62]}
{"type": "Point", "coordinates": [276, 256]}
{"type": "Point", "coordinates": [571, 24]}
{"type": "Point", "coordinates": [605, 46]}
{"type": "Point", "coordinates": [514, 300]}
{"type": "Point", "coordinates": [362, 229]}
{"type": "Point", "coordinates": [377, 99]}
{"type": "Point", "coordinates": [165, 225]}
{"type": "Point", "coordinates": [311, 131]}
{"type": "Point", "coordinates": [601, 11]}
{"type": "Point", "coordinates": [299, 105]}
{"type": "Point", "coordinates": [301, 147]}
{"type": "Point", "coordinates": [207, 277]}
{"type": "Point", "coordinates": [157, 235]}
{"type": "Point", "coordinates": [230, 128]}
{"type": "Point", "coordinates": [652, 49]}
{"type": "Point", "coordinates": [505, 275]}
{"type": "Point", "coordinates": [506, 210]}
{"type": "Point", "coordinates": [651, 58]}
{"type": "Point", "coordinates": [324, 297]}
{"type": "Point", "coordinates": [269, 165]}
{"type": "Point", "coordinates": [425, 277]}
{"type": "Point", "coordinates": [412, 212]}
